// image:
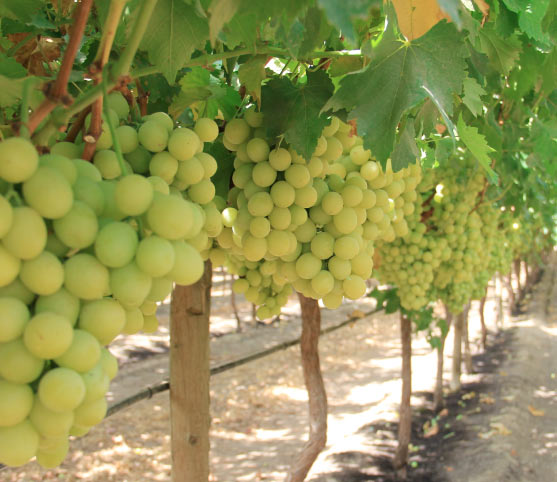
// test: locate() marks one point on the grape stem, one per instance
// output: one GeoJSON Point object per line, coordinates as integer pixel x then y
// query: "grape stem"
{"type": "Point", "coordinates": [13, 194]}
{"type": "Point", "coordinates": [115, 141]}
{"type": "Point", "coordinates": [59, 91]}
{"type": "Point", "coordinates": [24, 113]}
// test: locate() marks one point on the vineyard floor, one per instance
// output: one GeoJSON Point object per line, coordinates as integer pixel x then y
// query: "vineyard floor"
{"type": "Point", "coordinates": [502, 426]}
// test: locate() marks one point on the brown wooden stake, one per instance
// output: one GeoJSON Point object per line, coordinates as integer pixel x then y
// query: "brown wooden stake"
{"type": "Point", "coordinates": [317, 397]}
{"type": "Point", "coordinates": [465, 335]}
{"type": "Point", "coordinates": [516, 263]}
{"type": "Point", "coordinates": [234, 306]}
{"type": "Point", "coordinates": [482, 320]}
{"type": "Point", "coordinates": [499, 293]}
{"type": "Point", "coordinates": [457, 353]}
{"type": "Point", "coordinates": [405, 412]}
{"type": "Point", "coordinates": [189, 379]}
{"type": "Point", "coordinates": [438, 401]}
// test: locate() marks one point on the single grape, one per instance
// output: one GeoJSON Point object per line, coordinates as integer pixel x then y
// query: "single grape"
{"type": "Point", "coordinates": [18, 159]}
{"type": "Point", "coordinates": [61, 390]}
{"type": "Point", "coordinates": [48, 335]}
{"type": "Point", "coordinates": [85, 277]}
{"type": "Point", "coordinates": [43, 275]}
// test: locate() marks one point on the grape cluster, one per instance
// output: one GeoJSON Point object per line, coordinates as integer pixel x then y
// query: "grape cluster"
{"type": "Point", "coordinates": [309, 223]}
{"type": "Point", "coordinates": [86, 252]}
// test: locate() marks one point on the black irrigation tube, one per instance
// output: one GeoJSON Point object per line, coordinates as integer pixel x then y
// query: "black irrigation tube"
{"type": "Point", "coordinates": [165, 385]}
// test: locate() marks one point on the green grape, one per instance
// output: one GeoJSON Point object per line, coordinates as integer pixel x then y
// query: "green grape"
{"type": "Point", "coordinates": [116, 244]}
{"type": "Point", "coordinates": [134, 321]}
{"type": "Point", "coordinates": [332, 203]}
{"type": "Point", "coordinates": [16, 289]}
{"type": "Point", "coordinates": [118, 103]}
{"type": "Point", "coordinates": [159, 185]}
{"type": "Point", "coordinates": [18, 159]}
{"type": "Point", "coordinates": [86, 169]}
{"type": "Point", "coordinates": [83, 353]}
{"type": "Point", "coordinates": [89, 192]}
{"type": "Point", "coordinates": [253, 118]}
{"type": "Point", "coordinates": [203, 192]}
{"type": "Point", "coordinates": [209, 164]}
{"type": "Point", "coordinates": [48, 192]}
{"type": "Point", "coordinates": [322, 245]}
{"type": "Point", "coordinates": [259, 227]}
{"type": "Point", "coordinates": [160, 289]}
{"type": "Point", "coordinates": [278, 243]}
{"type": "Point", "coordinates": [306, 197]}
{"type": "Point", "coordinates": [6, 216]}
{"type": "Point", "coordinates": [107, 163]}
{"type": "Point", "coordinates": [133, 194]}
{"type": "Point", "coordinates": [139, 159]}
{"type": "Point", "coordinates": [332, 128]}
{"type": "Point", "coordinates": [213, 220]}
{"type": "Point", "coordinates": [280, 159]}
{"type": "Point", "coordinates": [340, 268]}
{"type": "Point", "coordinates": [323, 283]}
{"type": "Point", "coordinates": [162, 118]}
{"type": "Point", "coordinates": [370, 170]}
{"type": "Point", "coordinates": [333, 151]}
{"type": "Point", "coordinates": [103, 318]}
{"type": "Point", "coordinates": [307, 266]}
{"type": "Point", "coordinates": [13, 317]}
{"type": "Point", "coordinates": [92, 413]}
{"type": "Point", "coordinates": [16, 401]}
{"type": "Point", "coordinates": [96, 382]}
{"type": "Point", "coordinates": [153, 136]}
{"type": "Point", "coordinates": [155, 256]}
{"type": "Point", "coordinates": [61, 390]}
{"type": "Point", "coordinates": [306, 231]}
{"type": "Point", "coordinates": [359, 156]}
{"type": "Point", "coordinates": [43, 275]}
{"type": "Point", "coordinates": [318, 216]}
{"type": "Point", "coordinates": [18, 444]}
{"type": "Point", "coordinates": [346, 247]}
{"type": "Point", "coordinates": [127, 138]}
{"type": "Point", "coordinates": [164, 165]}
{"type": "Point", "coordinates": [257, 149]}
{"type": "Point", "coordinates": [352, 196]}
{"type": "Point", "coordinates": [54, 456]}
{"type": "Point", "coordinates": [130, 285]}
{"type": "Point", "coordinates": [354, 287]}
{"type": "Point", "coordinates": [188, 265]}
{"type": "Point", "coordinates": [297, 175]}
{"type": "Point", "coordinates": [170, 216]}
{"type": "Point", "coordinates": [50, 424]}
{"type": "Point", "coordinates": [111, 210]}
{"type": "Point", "coordinates": [61, 164]}
{"type": "Point", "coordinates": [282, 194]}
{"type": "Point", "coordinates": [78, 228]}
{"type": "Point", "coordinates": [66, 149]}
{"type": "Point", "coordinates": [85, 277]}
{"type": "Point", "coordinates": [62, 303]}
{"type": "Point", "coordinates": [109, 363]}
{"type": "Point", "coordinates": [263, 174]}
{"type": "Point", "coordinates": [280, 218]}
{"type": "Point", "coordinates": [254, 248]}
{"type": "Point", "coordinates": [346, 220]}
{"type": "Point", "coordinates": [10, 267]}
{"type": "Point", "coordinates": [206, 129]}
{"type": "Point", "coordinates": [17, 363]}
{"type": "Point", "coordinates": [362, 265]}
{"type": "Point", "coordinates": [183, 144]}
{"type": "Point", "coordinates": [48, 335]}
{"type": "Point", "coordinates": [236, 131]}
{"type": "Point", "coordinates": [190, 171]}
{"type": "Point", "coordinates": [148, 307]}
{"type": "Point", "coordinates": [260, 204]}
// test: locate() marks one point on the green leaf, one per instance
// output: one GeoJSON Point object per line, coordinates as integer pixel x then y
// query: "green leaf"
{"type": "Point", "coordinates": [242, 29]}
{"type": "Point", "coordinates": [530, 16]}
{"type": "Point", "coordinates": [221, 11]}
{"type": "Point", "coordinates": [22, 10]}
{"type": "Point", "coordinates": [406, 151]}
{"type": "Point", "coordinates": [503, 53]}
{"type": "Point", "coordinates": [472, 95]}
{"type": "Point", "coordinates": [10, 68]}
{"type": "Point", "coordinates": [478, 146]}
{"type": "Point", "coordinates": [251, 75]}
{"type": "Point", "coordinates": [316, 31]}
{"type": "Point", "coordinates": [203, 94]}
{"type": "Point", "coordinates": [294, 110]}
{"type": "Point", "coordinates": [342, 13]}
{"type": "Point", "coordinates": [10, 91]}
{"type": "Point", "coordinates": [400, 76]}
{"type": "Point", "coordinates": [452, 8]}
{"type": "Point", "coordinates": [225, 167]}
{"type": "Point", "coordinates": [174, 32]}
{"type": "Point", "coordinates": [345, 64]}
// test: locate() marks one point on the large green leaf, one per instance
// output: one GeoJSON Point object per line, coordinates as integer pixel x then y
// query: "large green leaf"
{"type": "Point", "coordinates": [502, 52]}
{"type": "Point", "coordinates": [294, 110]}
{"type": "Point", "coordinates": [342, 13]}
{"type": "Point", "coordinates": [478, 146]}
{"type": "Point", "coordinates": [400, 76]}
{"type": "Point", "coordinates": [174, 32]}
{"type": "Point", "coordinates": [472, 95]}
{"type": "Point", "coordinates": [252, 74]}
{"type": "Point", "coordinates": [22, 10]}
{"type": "Point", "coordinates": [530, 16]}
{"type": "Point", "coordinates": [10, 90]}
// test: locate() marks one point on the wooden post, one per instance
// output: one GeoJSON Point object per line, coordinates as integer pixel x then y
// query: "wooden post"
{"type": "Point", "coordinates": [482, 319]}
{"type": "Point", "coordinates": [438, 401]}
{"type": "Point", "coordinates": [311, 326]}
{"type": "Point", "coordinates": [518, 280]}
{"type": "Point", "coordinates": [500, 320]}
{"type": "Point", "coordinates": [189, 379]}
{"type": "Point", "coordinates": [405, 412]}
{"type": "Point", "coordinates": [234, 306]}
{"type": "Point", "coordinates": [457, 353]}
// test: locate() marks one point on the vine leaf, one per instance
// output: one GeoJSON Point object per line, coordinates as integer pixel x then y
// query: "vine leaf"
{"type": "Point", "coordinates": [295, 110]}
{"type": "Point", "coordinates": [225, 167]}
{"type": "Point", "coordinates": [416, 17]}
{"type": "Point", "coordinates": [174, 31]}
{"type": "Point", "coordinates": [400, 76]}
{"type": "Point", "coordinates": [503, 53]}
{"type": "Point", "coordinates": [530, 17]}
{"type": "Point", "coordinates": [221, 12]}
{"type": "Point", "coordinates": [341, 13]}
{"type": "Point", "coordinates": [406, 151]}
{"type": "Point", "coordinates": [21, 10]}
{"type": "Point", "coordinates": [478, 146]}
{"type": "Point", "coordinates": [10, 90]}
{"type": "Point", "coordinates": [472, 95]}
{"type": "Point", "coordinates": [205, 96]}
{"type": "Point", "coordinates": [251, 75]}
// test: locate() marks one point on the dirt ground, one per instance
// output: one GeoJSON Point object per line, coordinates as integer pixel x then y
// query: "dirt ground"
{"type": "Point", "coordinates": [502, 425]}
